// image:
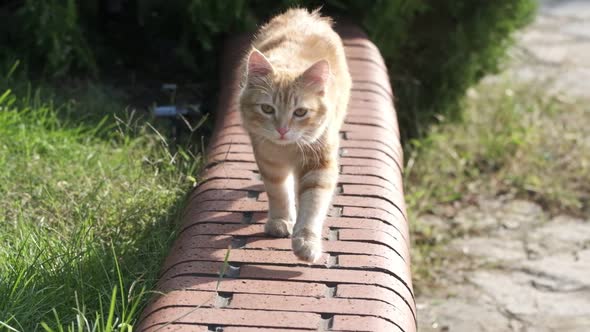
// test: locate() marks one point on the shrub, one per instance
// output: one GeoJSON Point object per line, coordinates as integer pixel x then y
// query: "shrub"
{"type": "Point", "coordinates": [434, 50]}
{"type": "Point", "coordinates": [47, 33]}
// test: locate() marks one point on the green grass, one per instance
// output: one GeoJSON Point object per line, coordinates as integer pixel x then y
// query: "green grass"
{"type": "Point", "coordinates": [514, 139]}
{"type": "Point", "coordinates": [87, 209]}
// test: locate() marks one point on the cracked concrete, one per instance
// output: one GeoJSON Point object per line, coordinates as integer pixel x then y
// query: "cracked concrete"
{"type": "Point", "coordinates": [533, 275]}
{"type": "Point", "coordinates": [556, 47]}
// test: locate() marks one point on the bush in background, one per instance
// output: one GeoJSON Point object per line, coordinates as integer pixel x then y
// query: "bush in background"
{"type": "Point", "coordinates": [434, 50]}
{"type": "Point", "coordinates": [47, 34]}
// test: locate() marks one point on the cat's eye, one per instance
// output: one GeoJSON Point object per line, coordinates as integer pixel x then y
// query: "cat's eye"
{"type": "Point", "coordinates": [267, 109]}
{"type": "Point", "coordinates": [300, 112]}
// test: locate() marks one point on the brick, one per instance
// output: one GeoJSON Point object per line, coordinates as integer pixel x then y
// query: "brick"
{"type": "Point", "coordinates": [177, 328]}
{"type": "Point", "coordinates": [371, 154]}
{"type": "Point", "coordinates": [390, 178]}
{"type": "Point", "coordinates": [236, 184]}
{"type": "Point", "coordinates": [320, 305]}
{"type": "Point", "coordinates": [360, 100]}
{"type": "Point", "coordinates": [233, 115]}
{"type": "Point", "coordinates": [231, 121]}
{"type": "Point", "coordinates": [386, 88]}
{"type": "Point", "coordinates": [292, 273]}
{"type": "Point", "coordinates": [372, 85]}
{"type": "Point", "coordinates": [359, 223]}
{"type": "Point", "coordinates": [190, 268]}
{"type": "Point", "coordinates": [371, 65]}
{"type": "Point", "coordinates": [374, 120]}
{"type": "Point", "coordinates": [357, 39]}
{"type": "Point", "coordinates": [369, 202]}
{"type": "Point", "coordinates": [192, 217]}
{"type": "Point", "coordinates": [371, 92]}
{"type": "Point", "coordinates": [360, 249]}
{"type": "Point", "coordinates": [220, 194]}
{"type": "Point", "coordinates": [366, 179]}
{"type": "Point", "coordinates": [260, 217]}
{"type": "Point", "coordinates": [182, 298]}
{"type": "Point", "coordinates": [364, 323]}
{"type": "Point", "coordinates": [367, 72]}
{"type": "Point", "coordinates": [374, 292]}
{"type": "Point", "coordinates": [204, 241]}
{"type": "Point", "coordinates": [368, 55]}
{"type": "Point", "coordinates": [392, 264]}
{"type": "Point", "coordinates": [233, 105]}
{"type": "Point", "coordinates": [369, 136]}
{"type": "Point", "coordinates": [395, 197]}
{"type": "Point", "coordinates": [370, 235]}
{"type": "Point", "coordinates": [229, 139]}
{"type": "Point", "coordinates": [259, 329]}
{"type": "Point", "coordinates": [237, 256]}
{"type": "Point", "coordinates": [222, 316]}
{"type": "Point", "coordinates": [339, 247]}
{"type": "Point", "coordinates": [361, 107]}
{"type": "Point", "coordinates": [379, 203]}
{"type": "Point", "coordinates": [348, 161]}
{"type": "Point", "coordinates": [227, 229]}
{"type": "Point", "coordinates": [365, 172]}
{"type": "Point", "coordinates": [244, 205]}
{"type": "Point", "coordinates": [355, 128]}
{"type": "Point", "coordinates": [373, 72]}
{"type": "Point", "coordinates": [220, 171]}
{"type": "Point", "coordinates": [231, 130]}
{"type": "Point", "coordinates": [378, 111]}
{"type": "Point", "coordinates": [359, 58]}
{"type": "Point", "coordinates": [359, 42]}
{"type": "Point", "coordinates": [246, 286]}
{"type": "Point", "coordinates": [397, 221]}
{"type": "Point", "coordinates": [263, 197]}
{"type": "Point", "coordinates": [373, 108]}
{"type": "Point", "coordinates": [248, 166]}
{"type": "Point", "coordinates": [369, 104]}
{"type": "Point", "coordinates": [374, 75]}
{"type": "Point", "coordinates": [391, 148]}
{"type": "Point", "coordinates": [363, 88]}
{"type": "Point", "coordinates": [239, 157]}
{"type": "Point", "coordinates": [334, 211]}
{"type": "Point", "coordinates": [268, 243]}
{"type": "Point", "coordinates": [231, 148]}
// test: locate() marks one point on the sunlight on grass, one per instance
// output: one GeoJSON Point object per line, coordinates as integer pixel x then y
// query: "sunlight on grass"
{"type": "Point", "coordinates": [87, 212]}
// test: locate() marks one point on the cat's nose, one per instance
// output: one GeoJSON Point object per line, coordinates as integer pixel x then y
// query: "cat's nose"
{"type": "Point", "coordinates": [283, 130]}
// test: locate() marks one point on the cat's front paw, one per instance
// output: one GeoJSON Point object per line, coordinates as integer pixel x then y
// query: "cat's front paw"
{"type": "Point", "coordinates": [278, 227]}
{"type": "Point", "coordinates": [307, 246]}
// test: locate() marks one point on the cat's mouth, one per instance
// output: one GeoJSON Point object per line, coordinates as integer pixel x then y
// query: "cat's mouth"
{"type": "Point", "coordinates": [285, 139]}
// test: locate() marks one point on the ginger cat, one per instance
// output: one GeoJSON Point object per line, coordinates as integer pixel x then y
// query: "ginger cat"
{"type": "Point", "coordinates": [293, 100]}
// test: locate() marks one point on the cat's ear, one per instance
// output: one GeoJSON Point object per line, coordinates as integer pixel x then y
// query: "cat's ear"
{"type": "Point", "coordinates": [316, 76]}
{"type": "Point", "coordinates": [258, 64]}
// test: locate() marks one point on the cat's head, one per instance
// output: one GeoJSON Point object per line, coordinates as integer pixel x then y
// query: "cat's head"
{"type": "Point", "coordinates": [284, 107]}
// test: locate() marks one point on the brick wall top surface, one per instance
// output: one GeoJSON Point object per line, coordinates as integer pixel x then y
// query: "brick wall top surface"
{"type": "Point", "coordinates": [361, 283]}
